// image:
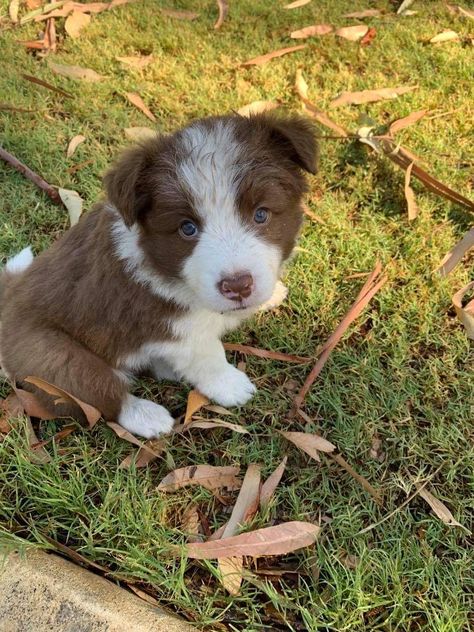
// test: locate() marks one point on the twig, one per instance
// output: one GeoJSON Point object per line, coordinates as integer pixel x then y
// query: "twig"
{"type": "Point", "coordinates": [47, 85]}
{"type": "Point", "coordinates": [363, 481]}
{"type": "Point", "coordinates": [50, 191]}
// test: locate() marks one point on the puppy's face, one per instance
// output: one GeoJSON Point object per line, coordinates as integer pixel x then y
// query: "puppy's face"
{"type": "Point", "coordinates": [217, 205]}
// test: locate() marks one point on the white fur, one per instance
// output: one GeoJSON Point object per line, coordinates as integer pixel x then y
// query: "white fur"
{"type": "Point", "coordinates": [20, 262]}
{"type": "Point", "coordinates": [144, 418]}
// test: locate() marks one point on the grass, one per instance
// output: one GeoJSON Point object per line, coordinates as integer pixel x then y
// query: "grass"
{"type": "Point", "coordinates": [403, 374]}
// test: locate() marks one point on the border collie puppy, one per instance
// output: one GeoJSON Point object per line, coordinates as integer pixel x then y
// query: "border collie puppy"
{"type": "Point", "coordinates": [189, 242]}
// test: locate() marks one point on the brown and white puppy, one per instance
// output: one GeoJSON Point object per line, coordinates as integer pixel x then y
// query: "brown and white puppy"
{"type": "Point", "coordinates": [190, 241]}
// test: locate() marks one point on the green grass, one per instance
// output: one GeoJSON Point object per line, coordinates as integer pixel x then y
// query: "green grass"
{"type": "Point", "coordinates": [403, 373]}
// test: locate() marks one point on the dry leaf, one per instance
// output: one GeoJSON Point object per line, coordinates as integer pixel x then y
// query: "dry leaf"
{"type": "Point", "coordinates": [312, 444]}
{"type": "Point", "coordinates": [352, 33]}
{"type": "Point", "coordinates": [38, 454]}
{"type": "Point", "coordinates": [350, 561]}
{"type": "Point", "coordinates": [190, 523]}
{"type": "Point", "coordinates": [439, 508]}
{"type": "Point", "coordinates": [57, 437]}
{"type": "Point", "coordinates": [91, 413]}
{"type": "Point", "coordinates": [209, 476]}
{"type": "Point", "coordinates": [143, 595]}
{"type": "Point", "coordinates": [400, 124]}
{"type": "Point", "coordinates": [75, 22]}
{"type": "Point", "coordinates": [206, 424]}
{"type": "Point", "coordinates": [368, 13]}
{"type": "Point", "coordinates": [33, 407]}
{"type": "Point", "coordinates": [466, 313]}
{"type": "Point", "coordinates": [231, 569]}
{"type": "Point", "coordinates": [370, 96]}
{"type": "Point", "coordinates": [412, 206]}
{"type": "Point", "coordinates": [296, 4]}
{"type": "Point", "coordinates": [75, 72]}
{"type": "Point", "coordinates": [10, 408]}
{"type": "Point", "coordinates": [456, 254]}
{"type": "Point", "coordinates": [469, 13]}
{"type": "Point", "coordinates": [150, 450]}
{"type": "Point", "coordinates": [262, 59]}
{"type": "Point", "coordinates": [139, 134]}
{"type": "Point", "coordinates": [13, 9]}
{"type": "Point", "coordinates": [223, 7]}
{"type": "Point", "coordinates": [256, 107]}
{"type": "Point", "coordinates": [219, 410]}
{"type": "Point", "coordinates": [445, 36]}
{"type": "Point", "coordinates": [137, 101]}
{"type": "Point", "coordinates": [47, 85]}
{"type": "Point", "coordinates": [196, 401]}
{"type": "Point", "coordinates": [369, 37]}
{"type": "Point", "coordinates": [180, 15]}
{"type": "Point", "coordinates": [33, 4]}
{"type": "Point", "coordinates": [272, 482]}
{"type": "Point", "coordinates": [50, 36]}
{"type": "Point", "coordinates": [74, 144]}
{"type": "Point", "coordinates": [136, 61]}
{"type": "Point", "coordinates": [265, 353]}
{"type": "Point", "coordinates": [404, 6]}
{"type": "Point", "coordinates": [376, 451]}
{"type": "Point", "coordinates": [73, 202]}
{"type": "Point", "coordinates": [148, 446]}
{"type": "Point", "coordinates": [310, 31]}
{"type": "Point", "coordinates": [278, 540]}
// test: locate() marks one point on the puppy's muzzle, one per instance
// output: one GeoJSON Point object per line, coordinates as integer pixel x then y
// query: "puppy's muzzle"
{"type": "Point", "coordinates": [236, 287]}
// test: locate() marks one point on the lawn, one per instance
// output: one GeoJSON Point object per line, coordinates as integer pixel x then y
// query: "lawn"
{"type": "Point", "coordinates": [401, 376]}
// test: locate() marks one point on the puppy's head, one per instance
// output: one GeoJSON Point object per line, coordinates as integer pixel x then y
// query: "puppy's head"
{"type": "Point", "coordinates": [217, 205]}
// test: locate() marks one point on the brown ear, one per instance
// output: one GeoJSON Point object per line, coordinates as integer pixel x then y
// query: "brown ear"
{"type": "Point", "coordinates": [295, 138]}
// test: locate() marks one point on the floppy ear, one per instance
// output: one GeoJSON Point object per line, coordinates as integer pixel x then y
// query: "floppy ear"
{"type": "Point", "coordinates": [295, 138]}
{"type": "Point", "coordinates": [127, 185]}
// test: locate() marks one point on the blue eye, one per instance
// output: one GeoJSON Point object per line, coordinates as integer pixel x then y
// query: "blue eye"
{"type": "Point", "coordinates": [188, 229]}
{"type": "Point", "coordinates": [261, 215]}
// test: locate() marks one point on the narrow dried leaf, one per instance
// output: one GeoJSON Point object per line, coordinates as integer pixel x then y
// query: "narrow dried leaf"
{"type": "Point", "coordinates": [368, 13]}
{"type": "Point", "coordinates": [139, 134]}
{"type": "Point", "coordinates": [50, 36]}
{"type": "Point", "coordinates": [143, 595]}
{"type": "Point", "coordinates": [140, 457]}
{"type": "Point", "coordinates": [439, 508]}
{"type": "Point", "coordinates": [350, 561]}
{"type": "Point", "coordinates": [404, 6]}
{"type": "Point", "coordinates": [47, 85]}
{"type": "Point", "coordinates": [136, 61]}
{"type": "Point", "coordinates": [412, 206]}
{"type": "Point", "coordinates": [256, 107]}
{"type": "Point", "coordinates": [127, 436]}
{"type": "Point", "coordinates": [73, 202]}
{"type": "Point", "coordinates": [352, 33]}
{"type": "Point", "coordinates": [312, 444]}
{"type": "Point", "coordinates": [263, 59]}
{"type": "Point", "coordinates": [206, 424]}
{"type": "Point", "coordinates": [219, 410]}
{"type": "Point", "coordinates": [13, 9]}
{"type": "Point", "coordinates": [75, 22]}
{"type": "Point", "coordinates": [272, 482]}
{"type": "Point", "coordinates": [10, 408]}
{"type": "Point", "coordinates": [265, 353]}
{"type": "Point", "coordinates": [190, 523]}
{"type": "Point", "coordinates": [400, 124]}
{"type": "Point", "coordinates": [231, 569]}
{"type": "Point", "coordinates": [469, 13]}
{"type": "Point", "coordinates": [33, 4]}
{"type": "Point", "coordinates": [358, 477]}
{"type": "Point", "coordinates": [278, 540]}
{"type": "Point", "coordinates": [466, 313]}
{"type": "Point", "coordinates": [57, 437]}
{"type": "Point", "coordinates": [369, 37]}
{"type": "Point", "coordinates": [209, 476]}
{"type": "Point", "coordinates": [456, 254]}
{"type": "Point", "coordinates": [91, 413]}
{"type": "Point", "coordinates": [137, 101]}
{"type": "Point", "coordinates": [33, 407]}
{"type": "Point", "coordinates": [370, 96]}
{"type": "Point", "coordinates": [196, 401]}
{"type": "Point", "coordinates": [180, 15]}
{"type": "Point", "coordinates": [311, 31]}
{"type": "Point", "coordinates": [223, 7]}
{"type": "Point", "coordinates": [75, 72]}
{"type": "Point", "coordinates": [445, 36]}
{"type": "Point", "coordinates": [74, 144]}
{"type": "Point", "coordinates": [296, 4]}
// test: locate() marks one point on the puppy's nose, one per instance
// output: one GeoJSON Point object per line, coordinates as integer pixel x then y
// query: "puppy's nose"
{"type": "Point", "coordinates": [236, 287]}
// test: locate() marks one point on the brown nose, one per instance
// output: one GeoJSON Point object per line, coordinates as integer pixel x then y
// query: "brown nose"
{"type": "Point", "coordinates": [236, 287]}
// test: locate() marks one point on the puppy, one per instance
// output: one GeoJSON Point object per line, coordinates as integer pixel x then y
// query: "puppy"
{"type": "Point", "coordinates": [189, 242]}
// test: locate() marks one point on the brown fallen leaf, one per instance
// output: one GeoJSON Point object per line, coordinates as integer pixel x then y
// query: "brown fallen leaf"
{"type": "Point", "coordinates": [137, 101]}
{"type": "Point", "coordinates": [206, 424]}
{"type": "Point", "coordinates": [350, 561]}
{"type": "Point", "coordinates": [91, 413]}
{"type": "Point", "coordinates": [57, 437]}
{"type": "Point", "coordinates": [310, 31]}
{"type": "Point", "coordinates": [209, 476]}
{"type": "Point", "coordinates": [190, 523]}
{"type": "Point", "coordinates": [151, 450]}
{"type": "Point", "coordinates": [358, 477]}
{"type": "Point", "coordinates": [47, 85]}
{"type": "Point", "coordinates": [296, 4]}
{"type": "Point", "coordinates": [79, 166]}
{"type": "Point", "coordinates": [74, 555]}
{"type": "Point", "coordinates": [143, 595]}
{"type": "Point", "coordinates": [38, 454]}
{"type": "Point", "coordinates": [369, 37]}
{"type": "Point", "coordinates": [75, 72]}
{"type": "Point", "coordinates": [402, 9]}
{"type": "Point", "coordinates": [278, 540]}
{"type": "Point", "coordinates": [127, 436]}
{"type": "Point", "coordinates": [196, 401]}
{"type": "Point", "coordinates": [445, 36]}
{"type": "Point", "coordinates": [75, 22]}
{"type": "Point", "coordinates": [456, 254]}
{"type": "Point", "coordinates": [223, 7]}
{"type": "Point", "coordinates": [367, 13]}
{"type": "Point", "coordinates": [376, 451]}
{"type": "Point", "coordinates": [33, 4]}
{"type": "Point", "coordinates": [265, 353]}
{"type": "Point", "coordinates": [370, 96]}
{"type": "Point", "coordinates": [136, 61]}
{"type": "Point", "coordinates": [263, 59]}
{"type": "Point", "coordinates": [73, 202]}
{"type": "Point", "coordinates": [352, 33]}
{"type": "Point", "coordinates": [309, 213]}
{"type": "Point", "coordinates": [256, 107]}
{"type": "Point", "coordinates": [219, 410]}
{"type": "Point", "coordinates": [179, 15]}
{"type": "Point", "coordinates": [12, 108]}
{"type": "Point", "coordinates": [412, 206]}
{"type": "Point", "coordinates": [272, 482]}
{"type": "Point", "coordinates": [439, 508]}
{"type": "Point", "coordinates": [466, 313]}
{"type": "Point", "coordinates": [469, 13]}
{"type": "Point", "coordinates": [74, 144]}
{"type": "Point", "coordinates": [312, 444]}
{"type": "Point", "coordinates": [10, 408]}
{"type": "Point", "coordinates": [401, 123]}
{"type": "Point", "coordinates": [139, 134]}
{"type": "Point", "coordinates": [13, 9]}
{"type": "Point", "coordinates": [50, 36]}
{"type": "Point", "coordinates": [32, 406]}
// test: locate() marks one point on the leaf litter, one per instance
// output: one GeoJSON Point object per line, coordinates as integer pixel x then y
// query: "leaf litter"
{"type": "Point", "coordinates": [352, 33]}
{"type": "Point", "coordinates": [73, 202]}
{"type": "Point", "coordinates": [439, 508]}
{"type": "Point", "coordinates": [263, 59]}
{"type": "Point", "coordinates": [455, 255]}
{"type": "Point", "coordinates": [75, 72]}
{"type": "Point", "coordinates": [369, 96]}
{"type": "Point", "coordinates": [75, 22]}
{"type": "Point", "coordinates": [137, 101]}
{"type": "Point", "coordinates": [465, 313]}
{"type": "Point", "coordinates": [311, 31]}
{"type": "Point", "coordinates": [209, 476]}
{"type": "Point", "coordinates": [74, 144]}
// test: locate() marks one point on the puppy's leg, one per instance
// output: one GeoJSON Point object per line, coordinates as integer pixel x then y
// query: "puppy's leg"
{"type": "Point", "coordinates": [279, 295]}
{"type": "Point", "coordinates": [144, 418]}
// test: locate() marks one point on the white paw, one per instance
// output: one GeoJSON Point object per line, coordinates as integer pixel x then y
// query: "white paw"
{"type": "Point", "coordinates": [280, 293]}
{"type": "Point", "coordinates": [230, 388]}
{"type": "Point", "coordinates": [144, 418]}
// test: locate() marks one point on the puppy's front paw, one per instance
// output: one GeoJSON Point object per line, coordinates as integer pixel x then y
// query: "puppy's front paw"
{"type": "Point", "coordinates": [276, 299]}
{"type": "Point", "coordinates": [230, 388]}
{"type": "Point", "coordinates": [145, 418]}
